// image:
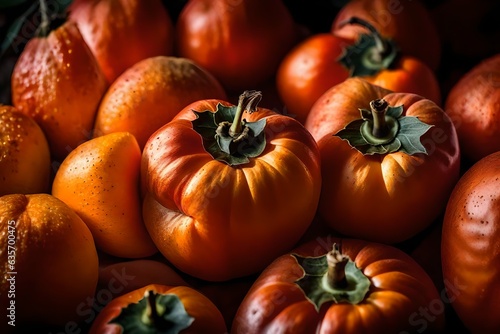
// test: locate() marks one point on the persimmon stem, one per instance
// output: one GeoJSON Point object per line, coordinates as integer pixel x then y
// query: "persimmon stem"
{"type": "Point", "coordinates": [45, 24]}
{"type": "Point", "coordinates": [379, 109]}
{"type": "Point", "coordinates": [381, 46]}
{"type": "Point", "coordinates": [152, 316]}
{"type": "Point", "coordinates": [336, 268]}
{"type": "Point", "coordinates": [247, 101]}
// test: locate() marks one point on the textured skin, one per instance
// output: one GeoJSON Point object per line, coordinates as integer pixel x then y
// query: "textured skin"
{"type": "Point", "coordinates": [383, 197]}
{"type": "Point", "coordinates": [150, 93]}
{"type": "Point", "coordinates": [400, 288]}
{"type": "Point", "coordinates": [240, 42]}
{"type": "Point", "coordinates": [474, 106]}
{"type": "Point", "coordinates": [100, 181]}
{"type": "Point", "coordinates": [216, 221]}
{"type": "Point", "coordinates": [24, 154]}
{"type": "Point", "coordinates": [122, 32]}
{"type": "Point", "coordinates": [57, 81]}
{"type": "Point", "coordinates": [470, 246]}
{"type": "Point", "coordinates": [55, 259]}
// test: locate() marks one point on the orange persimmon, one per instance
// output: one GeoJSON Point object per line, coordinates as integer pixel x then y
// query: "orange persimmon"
{"type": "Point", "coordinates": [150, 93]}
{"type": "Point", "coordinates": [100, 181]}
{"type": "Point", "coordinates": [24, 154]}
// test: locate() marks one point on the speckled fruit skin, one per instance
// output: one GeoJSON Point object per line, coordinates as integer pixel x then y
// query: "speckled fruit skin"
{"type": "Point", "coordinates": [122, 32]}
{"type": "Point", "coordinates": [55, 260]}
{"type": "Point", "coordinates": [24, 154]}
{"type": "Point", "coordinates": [470, 246]}
{"type": "Point", "coordinates": [100, 181]}
{"type": "Point", "coordinates": [474, 106]}
{"type": "Point", "coordinates": [58, 82]}
{"type": "Point", "coordinates": [150, 93]}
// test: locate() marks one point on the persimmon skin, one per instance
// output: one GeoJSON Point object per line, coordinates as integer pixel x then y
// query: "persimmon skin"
{"type": "Point", "coordinates": [408, 23]}
{"type": "Point", "coordinates": [56, 261]}
{"type": "Point", "coordinates": [58, 82]}
{"type": "Point", "coordinates": [215, 221]}
{"type": "Point", "coordinates": [25, 157]}
{"type": "Point", "coordinates": [100, 181]}
{"type": "Point", "coordinates": [313, 66]}
{"type": "Point", "coordinates": [208, 318]}
{"type": "Point", "coordinates": [135, 274]}
{"type": "Point", "coordinates": [409, 75]}
{"type": "Point", "coordinates": [472, 104]}
{"type": "Point", "coordinates": [150, 93]}
{"type": "Point", "coordinates": [309, 70]}
{"type": "Point", "coordinates": [122, 32]}
{"type": "Point", "coordinates": [470, 243]}
{"type": "Point", "coordinates": [241, 43]}
{"type": "Point", "coordinates": [400, 290]}
{"type": "Point", "coordinates": [381, 197]}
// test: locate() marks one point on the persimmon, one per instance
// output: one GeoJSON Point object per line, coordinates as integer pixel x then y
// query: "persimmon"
{"type": "Point", "coordinates": [48, 260]}
{"type": "Point", "coordinates": [341, 285]}
{"type": "Point", "coordinates": [99, 180]}
{"type": "Point", "coordinates": [57, 81]}
{"type": "Point", "coordinates": [240, 42]}
{"type": "Point", "coordinates": [381, 152]}
{"type": "Point", "coordinates": [150, 93]}
{"type": "Point", "coordinates": [473, 105]}
{"type": "Point", "coordinates": [227, 190]}
{"type": "Point", "coordinates": [154, 308]}
{"type": "Point", "coordinates": [24, 154]}
{"type": "Point", "coordinates": [124, 276]}
{"type": "Point", "coordinates": [470, 246]}
{"type": "Point", "coordinates": [325, 59]}
{"type": "Point", "coordinates": [408, 23]}
{"type": "Point", "coordinates": [122, 32]}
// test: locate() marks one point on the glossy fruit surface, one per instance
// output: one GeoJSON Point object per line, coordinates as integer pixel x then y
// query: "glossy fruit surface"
{"type": "Point", "coordinates": [395, 289]}
{"type": "Point", "coordinates": [470, 243]}
{"type": "Point", "coordinates": [122, 32]}
{"type": "Point", "coordinates": [473, 105]}
{"type": "Point", "coordinates": [240, 42]}
{"type": "Point", "coordinates": [150, 93]}
{"type": "Point", "coordinates": [383, 196]}
{"type": "Point", "coordinates": [58, 82]}
{"type": "Point", "coordinates": [49, 262]}
{"type": "Point", "coordinates": [228, 220]}
{"type": "Point", "coordinates": [100, 181]}
{"type": "Point", "coordinates": [24, 154]}
{"type": "Point", "coordinates": [408, 23]}
{"type": "Point", "coordinates": [198, 313]}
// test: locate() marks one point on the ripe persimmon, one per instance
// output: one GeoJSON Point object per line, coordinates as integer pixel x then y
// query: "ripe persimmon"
{"type": "Point", "coordinates": [100, 181]}
{"type": "Point", "coordinates": [48, 261]}
{"type": "Point", "coordinates": [150, 93]}
{"type": "Point", "coordinates": [123, 32]}
{"type": "Point", "coordinates": [58, 82]}
{"type": "Point", "coordinates": [23, 150]}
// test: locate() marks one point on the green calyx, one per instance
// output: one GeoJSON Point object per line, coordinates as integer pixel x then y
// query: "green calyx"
{"type": "Point", "coordinates": [333, 277]}
{"type": "Point", "coordinates": [370, 54]}
{"type": "Point", "coordinates": [228, 137]}
{"type": "Point", "coordinates": [384, 129]}
{"type": "Point", "coordinates": [154, 314]}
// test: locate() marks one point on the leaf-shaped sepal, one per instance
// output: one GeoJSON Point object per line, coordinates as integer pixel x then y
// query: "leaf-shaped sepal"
{"type": "Point", "coordinates": [172, 316]}
{"type": "Point", "coordinates": [364, 58]}
{"type": "Point", "coordinates": [213, 128]}
{"type": "Point", "coordinates": [403, 133]}
{"type": "Point", "coordinates": [316, 288]}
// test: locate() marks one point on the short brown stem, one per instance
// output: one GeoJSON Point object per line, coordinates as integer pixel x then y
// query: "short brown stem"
{"type": "Point", "coordinates": [152, 311]}
{"type": "Point", "coordinates": [336, 268]}
{"type": "Point", "coordinates": [379, 109]}
{"type": "Point", "coordinates": [247, 101]}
